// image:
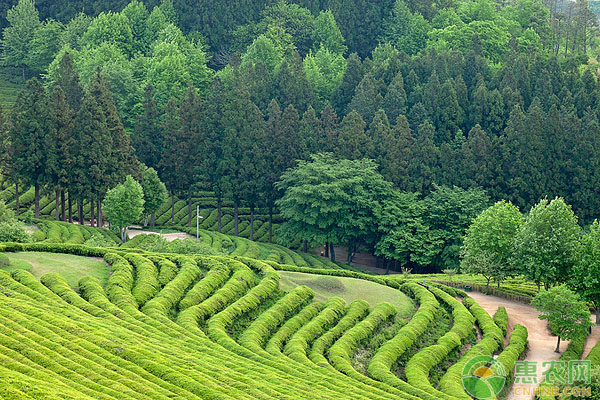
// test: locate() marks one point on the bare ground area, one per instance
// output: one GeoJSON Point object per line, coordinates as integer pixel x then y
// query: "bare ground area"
{"type": "Point", "coordinates": [169, 237]}
{"type": "Point", "coordinates": [541, 342]}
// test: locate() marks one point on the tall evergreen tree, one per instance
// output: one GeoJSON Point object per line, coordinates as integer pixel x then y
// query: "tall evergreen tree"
{"type": "Point", "coordinates": [394, 102]}
{"type": "Point", "coordinates": [29, 138]}
{"type": "Point", "coordinates": [67, 78]}
{"type": "Point", "coordinates": [353, 142]}
{"type": "Point", "coordinates": [352, 77]}
{"type": "Point", "coordinates": [146, 139]}
{"type": "Point", "coordinates": [366, 100]}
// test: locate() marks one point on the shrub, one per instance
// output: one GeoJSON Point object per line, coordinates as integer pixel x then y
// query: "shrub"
{"type": "Point", "coordinates": [98, 240]}
{"type": "Point", "coordinates": [13, 232]}
{"type": "Point", "coordinates": [6, 214]}
{"type": "Point", "coordinates": [4, 260]}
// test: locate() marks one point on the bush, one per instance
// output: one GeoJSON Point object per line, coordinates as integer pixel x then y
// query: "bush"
{"type": "Point", "coordinates": [98, 240]}
{"type": "Point", "coordinates": [6, 214]}
{"type": "Point", "coordinates": [13, 232]}
{"type": "Point", "coordinates": [4, 260]}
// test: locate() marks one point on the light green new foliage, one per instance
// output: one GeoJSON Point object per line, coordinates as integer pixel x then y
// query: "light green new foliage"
{"type": "Point", "coordinates": [488, 244]}
{"type": "Point", "coordinates": [586, 273]}
{"type": "Point", "coordinates": [154, 190]}
{"type": "Point", "coordinates": [547, 244]}
{"type": "Point", "coordinates": [23, 20]}
{"type": "Point", "coordinates": [568, 316]}
{"type": "Point", "coordinates": [124, 205]}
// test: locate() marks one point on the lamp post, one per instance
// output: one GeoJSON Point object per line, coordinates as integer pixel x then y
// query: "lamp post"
{"type": "Point", "coordinates": [198, 216]}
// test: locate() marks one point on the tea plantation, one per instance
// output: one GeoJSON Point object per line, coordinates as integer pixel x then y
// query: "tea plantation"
{"type": "Point", "coordinates": [221, 327]}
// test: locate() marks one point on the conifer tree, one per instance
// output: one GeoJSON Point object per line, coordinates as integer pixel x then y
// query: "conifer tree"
{"type": "Point", "coordinates": [67, 78]}
{"type": "Point", "coordinates": [330, 122]}
{"type": "Point", "coordinates": [60, 154]}
{"type": "Point", "coordinates": [311, 133]}
{"type": "Point", "coordinates": [352, 77]}
{"type": "Point", "coordinates": [394, 102]}
{"type": "Point", "coordinates": [146, 139]}
{"type": "Point", "coordinates": [366, 100]}
{"type": "Point", "coordinates": [29, 138]}
{"type": "Point", "coordinates": [169, 165]}
{"type": "Point", "coordinates": [353, 142]}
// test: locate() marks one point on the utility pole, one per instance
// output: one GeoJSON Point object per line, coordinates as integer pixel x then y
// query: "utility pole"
{"type": "Point", "coordinates": [197, 222]}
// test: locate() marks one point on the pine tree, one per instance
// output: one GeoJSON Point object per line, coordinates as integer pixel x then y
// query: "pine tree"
{"type": "Point", "coordinates": [61, 158]}
{"type": "Point", "coordinates": [425, 159]}
{"type": "Point", "coordinates": [311, 133]}
{"type": "Point", "coordinates": [352, 77]}
{"type": "Point", "coordinates": [405, 146]}
{"type": "Point", "coordinates": [394, 102]}
{"type": "Point", "coordinates": [146, 139]}
{"type": "Point", "coordinates": [476, 152]}
{"type": "Point", "coordinates": [169, 165]}
{"type": "Point", "coordinates": [366, 100]}
{"type": "Point", "coordinates": [67, 78]}
{"type": "Point", "coordinates": [353, 142]}
{"type": "Point", "coordinates": [29, 138]}
{"type": "Point", "coordinates": [291, 85]}
{"type": "Point", "coordinates": [331, 126]}
{"type": "Point", "coordinates": [93, 150]}
{"type": "Point", "coordinates": [211, 164]}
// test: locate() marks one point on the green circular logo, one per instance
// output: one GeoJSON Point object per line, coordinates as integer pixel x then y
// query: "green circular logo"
{"type": "Point", "coordinates": [483, 377]}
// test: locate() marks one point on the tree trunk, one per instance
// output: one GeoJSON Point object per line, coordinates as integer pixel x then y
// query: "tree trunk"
{"type": "Point", "coordinates": [597, 315]}
{"type": "Point", "coordinates": [305, 246]}
{"type": "Point", "coordinates": [37, 200]}
{"type": "Point", "coordinates": [124, 234]}
{"type": "Point", "coordinates": [17, 194]}
{"type": "Point", "coordinates": [92, 213]}
{"type": "Point", "coordinates": [190, 206]}
{"type": "Point", "coordinates": [270, 224]}
{"type": "Point", "coordinates": [70, 205]}
{"type": "Point", "coordinates": [332, 252]}
{"type": "Point", "coordinates": [235, 218]}
{"type": "Point", "coordinates": [377, 261]}
{"type": "Point", "coordinates": [152, 219]}
{"type": "Point", "coordinates": [62, 205]}
{"type": "Point", "coordinates": [327, 249]}
{"type": "Point", "coordinates": [172, 208]}
{"type": "Point", "coordinates": [557, 346]}
{"type": "Point", "coordinates": [219, 219]}
{"type": "Point", "coordinates": [386, 263]}
{"type": "Point", "coordinates": [56, 209]}
{"type": "Point", "coordinates": [349, 258]}
{"type": "Point", "coordinates": [252, 223]}
{"type": "Point", "coordinates": [80, 212]}
{"type": "Point", "coordinates": [100, 219]}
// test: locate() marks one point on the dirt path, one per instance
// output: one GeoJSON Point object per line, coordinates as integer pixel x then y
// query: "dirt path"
{"type": "Point", "coordinates": [591, 340]}
{"type": "Point", "coordinates": [168, 236]}
{"type": "Point", "coordinates": [541, 342]}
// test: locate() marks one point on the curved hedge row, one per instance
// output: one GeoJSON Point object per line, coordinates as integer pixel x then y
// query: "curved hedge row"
{"type": "Point", "coordinates": [517, 343]}
{"type": "Point", "coordinates": [357, 310]}
{"type": "Point", "coordinates": [418, 367]}
{"type": "Point", "coordinates": [278, 340]}
{"type": "Point", "coordinates": [381, 364]}
{"type": "Point", "coordinates": [257, 334]}
{"type": "Point", "coordinates": [451, 382]}
{"type": "Point", "coordinates": [501, 319]}
{"type": "Point", "coordinates": [146, 284]}
{"type": "Point", "coordinates": [206, 286]}
{"type": "Point", "coordinates": [241, 280]}
{"type": "Point", "coordinates": [297, 347]}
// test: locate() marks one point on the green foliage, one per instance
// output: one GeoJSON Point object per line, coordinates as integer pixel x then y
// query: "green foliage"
{"type": "Point", "coordinates": [98, 240]}
{"type": "Point", "coordinates": [4, 260]}
{"type": "Point", "coordinates": [546, 246]}
{"type": "Point", "coordinates": [586, 272]}
{"type": "Point", "coordinates": [23, 21]}
{"type": "Point", "coordinates": [155, 192]}
{"type": "Point", "coordinates": [568, 316]}
{"type": "Point", "coordinates": [6, 214]}
{"type": "Point", "coordinates": [489, 242]}
{"type": "Point", "coordinates": [124, 205]}
{"type": "Point", "coordinates": [317, 205]}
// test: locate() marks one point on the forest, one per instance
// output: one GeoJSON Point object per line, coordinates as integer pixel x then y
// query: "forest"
{"type": "Point", "coordinates": [474, 100]}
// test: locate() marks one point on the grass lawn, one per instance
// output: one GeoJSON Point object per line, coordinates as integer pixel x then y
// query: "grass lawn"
{"type": "Point", "coordinates": [71, 267]}
{"type": "Point", "coordinates": [349, 289]}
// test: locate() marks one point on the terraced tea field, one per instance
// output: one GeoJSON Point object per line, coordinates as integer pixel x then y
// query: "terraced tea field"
{"type": "Point", "coordinates": [219, 327]}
